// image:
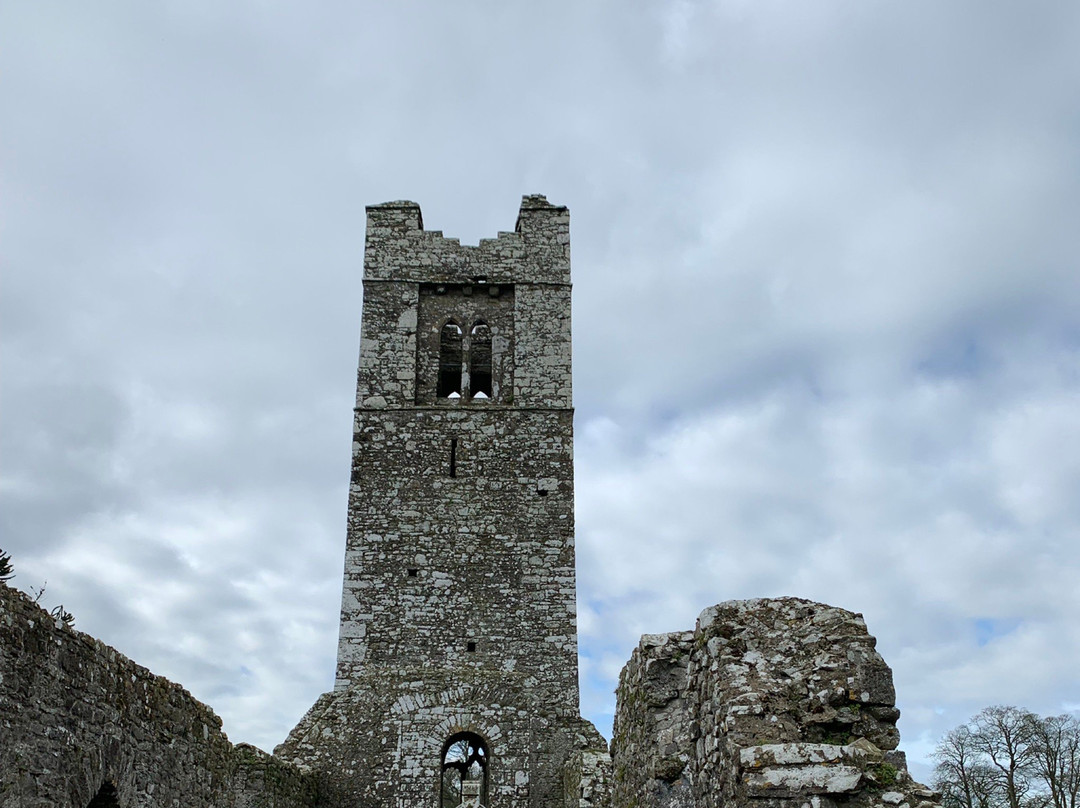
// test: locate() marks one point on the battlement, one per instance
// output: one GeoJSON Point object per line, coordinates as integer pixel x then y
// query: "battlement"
{"type": "Point", "coordinates": [398, 248]}
{"type": "Point", "coordinates": [514, 288]}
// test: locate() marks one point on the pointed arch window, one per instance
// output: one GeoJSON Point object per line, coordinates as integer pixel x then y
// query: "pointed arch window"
{"type": "Point", "coordinates": [480, 360]}
{"type": "Point", "coordinates": [464, 772]}
{"type": "Point", "coordinates": [450, 361]}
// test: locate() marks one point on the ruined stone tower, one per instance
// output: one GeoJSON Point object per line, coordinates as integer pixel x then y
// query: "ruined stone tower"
{"type": "Point", "coordinates": [457, 658]}
{"type": "Point", "coordinates": [460, 546]}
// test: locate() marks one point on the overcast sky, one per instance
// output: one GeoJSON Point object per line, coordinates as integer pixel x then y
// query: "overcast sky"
{"type": "Point", "coordinates": [826, 316]}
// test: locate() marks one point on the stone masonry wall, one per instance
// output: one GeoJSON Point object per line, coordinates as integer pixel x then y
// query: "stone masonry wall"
{"type": "Point", "coordinates": [398, 248]}
{"type": "Point", "coordinates": [75, 714]}
{"type": "Point", "coordinates": [458, 611]}
{"type": "Point", "coordinates": [460, 546]}
{"type": "Point", "coordinates": [379, 741]}
{"type": "Point", "coordinates": [767, 704]}
{"type": "Point", "coordinates": [439, 562]}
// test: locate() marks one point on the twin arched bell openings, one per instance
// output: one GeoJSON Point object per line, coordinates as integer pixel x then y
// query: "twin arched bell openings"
{"type": "Point", "coordinates": [464, 776]}
{"type": "Point", "coordinates": [465, 362]}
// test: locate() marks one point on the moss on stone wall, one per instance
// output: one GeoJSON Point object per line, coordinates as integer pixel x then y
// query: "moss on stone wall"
{"type": "Point", "coordinates": [76, 714]}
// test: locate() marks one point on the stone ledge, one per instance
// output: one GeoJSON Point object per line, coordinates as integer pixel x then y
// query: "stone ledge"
{"type": "Point", "coordinates": [810, 779]}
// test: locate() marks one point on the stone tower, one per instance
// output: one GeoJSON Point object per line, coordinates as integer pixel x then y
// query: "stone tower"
{"type": "Point", "coordinates": [457, 658]}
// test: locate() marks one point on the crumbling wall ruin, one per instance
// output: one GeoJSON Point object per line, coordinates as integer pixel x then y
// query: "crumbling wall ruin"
{"type": "Point", "coordinates": [766, 704]}
{"type": "Point", "coordinates": [79, 720]}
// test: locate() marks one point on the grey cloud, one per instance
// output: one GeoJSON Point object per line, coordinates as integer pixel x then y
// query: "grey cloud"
{"type": "Point", "coordinates": [825, 330]}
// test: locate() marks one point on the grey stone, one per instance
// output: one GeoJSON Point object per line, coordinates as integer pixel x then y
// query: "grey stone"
{"type": "Point", "coordinates": [865, 748]}
{"type": "Point", "coordinates": [758, 702]}
{"type": "Point", "coordinates": [804, 779]}
{"type": "Point", "coordinates": [459, 599]}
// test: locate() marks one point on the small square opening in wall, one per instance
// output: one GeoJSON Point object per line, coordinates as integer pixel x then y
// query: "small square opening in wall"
{"type": "Point", "coordinates": [413, 572]}
{"type": "Point", "coordinates": [541, 492]}
{"type": "Point", "coordinates": [470, 647]}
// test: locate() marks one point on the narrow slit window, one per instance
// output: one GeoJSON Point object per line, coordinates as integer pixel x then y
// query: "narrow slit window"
{"type": "Point", "coordinates": [480, 361]}
{"type": "Point", "coordinates": [453, 457]}
{"type": "Point", "coordinates": [449, 385]}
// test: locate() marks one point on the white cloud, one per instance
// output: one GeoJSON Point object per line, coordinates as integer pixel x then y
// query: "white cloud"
{"type": "Point", "coordinates": [825, 316]}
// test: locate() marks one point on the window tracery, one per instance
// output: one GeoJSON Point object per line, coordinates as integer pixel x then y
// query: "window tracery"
{"type": "Point", "coordinates": [464, 777]}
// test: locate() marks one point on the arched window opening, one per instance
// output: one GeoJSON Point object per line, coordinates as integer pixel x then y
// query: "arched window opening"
{"type": "Point", "coordinates": [464, 772]}
{"type": "Point", "coordinates": [480, 361]}
{"type": "Point", "coordinates": [105, 798]}
{"type": "Point", "coordinates": [450, 361]}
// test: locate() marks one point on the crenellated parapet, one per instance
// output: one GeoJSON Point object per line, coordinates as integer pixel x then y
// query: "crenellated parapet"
{"type": "Point", "coordinates": [398, 248]}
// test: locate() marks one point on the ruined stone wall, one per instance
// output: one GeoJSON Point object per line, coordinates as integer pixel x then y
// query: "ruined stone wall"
{"type": "Point", "coordinates": [588, 777]}
{"type": "Point", "coordinates": [652, 743]}
{"type": "Point", "coordinates": [76, 714]}
{"type": "Point", "coordinates": [766, 704]}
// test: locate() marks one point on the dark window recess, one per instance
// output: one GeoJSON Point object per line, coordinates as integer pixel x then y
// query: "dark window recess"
{"type": "Point", "coordinates": [480, 361]}
{"type": "Point", "coordinates": [453, 457]}
{"type": "Point", "coordinates": [541, 492]}
{"type": "Point", "coordinates": [470, 647]}
{"type": "Point", "coordinates": [413, 573]}
{"type": "Point", "coordinates": [449, 361]}
{"type": "Point", "coordinates": [105, 798]}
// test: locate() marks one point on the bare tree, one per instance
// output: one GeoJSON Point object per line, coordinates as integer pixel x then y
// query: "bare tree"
{"type": "Point", "coordinates": [1006, 737]}
{"type": "Point", "coordinates": [1005, 757]}
{"type": "Point", "coordinates": [1057, 758]}
{"type": "Point", "coordinates": [961, 775]}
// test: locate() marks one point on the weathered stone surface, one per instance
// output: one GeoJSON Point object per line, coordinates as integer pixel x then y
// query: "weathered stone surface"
{"type": "Point", "coordinates": [796, 780]}
{"type": "Point", "coordinates": [788, 754]}
{"type": "Point", "coordinates": [76, 714]}
{"type": "Point", "coordinates": [767, 702]}
{"type": "Point", "coordinates": [594, 781]}
{"type": "Point", "coordinates": [459, 600]}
